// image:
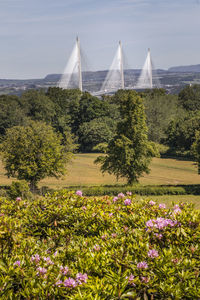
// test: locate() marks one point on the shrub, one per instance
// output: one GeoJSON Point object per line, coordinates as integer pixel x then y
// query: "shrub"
{"type": "Point", "coordinates": [68, 246]}
{"type": "Point", "coordinates": [19, 189]}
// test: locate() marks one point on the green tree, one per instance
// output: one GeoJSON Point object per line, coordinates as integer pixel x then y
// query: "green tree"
{"type": "Point", "coordinates": [196, 149]}
{"type": "Point", "coordinates": [100, 130]}
{"type": "Point", "coordinates": [189, 97]}
{"type": "Point", "coordinates": [11, 113]}
{"type": "Point", "coordinates": [181, 131]}
{"type": "Point", "coordinates": [66, 108]}
{"type": "Point", "coordinates": [160, 110]}
{"type": "Point", "coordinates": [129, 152]}
{"type": "Point", "coordinates": [38, 106]}
{"type": "Point", "coordinates": [34, 152]}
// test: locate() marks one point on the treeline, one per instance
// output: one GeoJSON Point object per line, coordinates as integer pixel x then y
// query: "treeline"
{"type": "Point", "coordinates": [172, 120]}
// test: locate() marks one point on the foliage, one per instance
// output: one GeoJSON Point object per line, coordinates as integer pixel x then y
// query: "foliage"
{"type": "Point", "coordinates": [137, 189]}
{"type": "Point", "coordinates": [66, 107]}
{"type": "Point", "coordinates": [37, 106]}
{"type": "Point", "coordinates": [92, 108]}
{"type": "Point", "coordinates": [66, 246]}
{"type": "Point", "coordinates": [160, 110]}
{"type": "Point", "coordinates": [11, 113]}
{"type": "Point", "coordinates": [19, 189]}
{"type": "Point", "coordinates": [129, 152]}
{"type": "Point", "coordinates": [189, 97]}
{"type": "Point", "coordinates": [181, 131]}
{"type": "Point", "coordinates": [34, 152]}
{"type": "Point", "coordinates": [99, 130]}
{"type": "Point", "coordinates": [196, 149]}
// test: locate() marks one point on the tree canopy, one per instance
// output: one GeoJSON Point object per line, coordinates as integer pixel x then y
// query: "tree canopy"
{"type": "Point", "coordinates": [33, 152]}
{"type": "Point", "coordinates": [129, 152]}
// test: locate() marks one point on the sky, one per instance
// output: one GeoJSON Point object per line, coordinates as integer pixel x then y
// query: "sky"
{"type": "Point", "coordinates": [37, 36]}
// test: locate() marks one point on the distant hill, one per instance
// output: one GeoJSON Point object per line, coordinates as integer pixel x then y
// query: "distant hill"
{"type": "Point", "coordinates": [185, 69]}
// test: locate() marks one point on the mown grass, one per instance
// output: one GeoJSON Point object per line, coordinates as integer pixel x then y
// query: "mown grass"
{"type": "Point", "coordinates": [169, 199]}
{"type": "Point", "coordinates": [82, 172]}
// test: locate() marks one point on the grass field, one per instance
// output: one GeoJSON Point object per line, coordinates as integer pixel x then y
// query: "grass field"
{"type": "Point", "coordinates": [169, 199]}
{"type": "Point", "coordinates": [82, 171]}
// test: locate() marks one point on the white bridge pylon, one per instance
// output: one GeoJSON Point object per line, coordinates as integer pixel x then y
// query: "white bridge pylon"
{"type": "Point", "coordinates": [72, 75]}
{"type": "Point", "coordinates": [115, 76]}
{"type": "Point", "coordinates": [146, 79]}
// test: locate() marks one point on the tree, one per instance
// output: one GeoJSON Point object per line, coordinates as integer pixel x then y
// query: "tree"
{"type": "Point", "coordinates": [11, 113]}
{"type": "Point", "coordinates": [34, 152]}
{"type": "Point", "coordinates": [181, 131]}
{"type": "Point", "coordinates": [129, 152]}
{"type": "Point", "coordinates": [160, 110]}
{"type": "Point", "coordinates": [66, 107]}
{"type": "Point", "coordinates": [100, 130]}
{"type": "Point", "coordinates": [196, 149]}
{"type": "Point", "coordinates": [38, 106]}
{"type": "Point", "coordinates": [189, 97]}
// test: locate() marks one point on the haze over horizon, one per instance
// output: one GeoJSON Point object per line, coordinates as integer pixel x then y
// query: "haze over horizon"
{"type": "Point", "coordinates": [37, 36]}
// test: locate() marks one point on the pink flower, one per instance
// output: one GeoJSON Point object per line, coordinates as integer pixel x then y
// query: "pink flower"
{"type": "Point", "coordinates": [64, 270]}
{"type": "Point", "coordinates": [130, 279]}
{"type": "Point", "coordinates": [121, 195]}
{"type": "Point", "coordinates": [103, 237]}
{"type": "Point", "coordinates": [128, 193]}
{"type": "Point", "coordinates": [35, 258]}
{"type": "Point", "coordinates": [160, 223]}
{"type": "Point", "coordinates": [159, 236]}
{"type": "Point", "coordinates": [110, 214]}
{"type": "Point", "coordinates": [70, 282]}
{"type": "Point", "coordinates": [142, 265]}
{"type": "Point", "coordinates": [162, 205]}
{"type": "Point", "coordinates": [114, 235]}
{"type": "Point", "coordinates": [79, 193]}
{"type": "Point", "coordinates": [145, 279]}
{"type": "Point", "coordinates": [81, 278]}
{"type": "Point", "coordinates": [153, 253]}
{"type": "Point", "coordinates": [59, 282]}
{"type": "Point", "coordinates": [17, 263]}
{"type": "Point", "coordinates": [84, 207]}
{"type": "Point", "coordinates": [48, 260]}
{"type": "Point", "coordinates": [127, 201]}
{"type": "Point", "coordinates": [55, 253]}
{"type": "Point", "coordinates": [41, 271]}
{"type": "Point", "coordinates": [18, 199]}
{"type": "Point", "coordinates": [177, 209]}
{"type": "Point", "coordinates": [96, 247]}
{"type": "Point", "coordinates": [152, 202]}
{"type": "Point", "coordinates": [115, 199]}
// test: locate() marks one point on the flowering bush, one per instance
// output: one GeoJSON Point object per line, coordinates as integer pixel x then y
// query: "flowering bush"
{"type": "Point", "coordinates": [67, 246]}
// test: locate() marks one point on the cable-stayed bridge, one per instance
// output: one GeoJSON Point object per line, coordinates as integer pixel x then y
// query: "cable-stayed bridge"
{"type": "Point", "coordinates": [72, 75]}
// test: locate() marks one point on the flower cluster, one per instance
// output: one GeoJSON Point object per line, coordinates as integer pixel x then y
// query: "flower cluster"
{"type": "Point", "coordinates": [177, 209]}
{"type": "Point", "coordinates": [127, 201]}
{"type": "Point", "coordinates": [131, 279]}
{"type": "Point", "coordinates": [64, 270]}
{"type": "Point", "coordinates": [153, 253]}
{"type": "Point", "coordinates": [142, 265]}
{"type": "Point", "coordinates": [35, 258]}
{"type": "Point", "coordinates": [121, 195]}
{"type": "Point", "coordinates": [41, 271]}
{"type": "Point", "coordinates": [71, 282]}
{"type": "Point", "coordinates": [160, 223]}
{"type": "Point", "coordinates": [79, 193]}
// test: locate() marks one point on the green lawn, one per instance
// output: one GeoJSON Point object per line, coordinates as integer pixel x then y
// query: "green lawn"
{"type": "Point", "coordinates": [82, 171]}
{"type": "Point", "coordinates": [163, 171]}
{"type": "Point", "coordinates": [169, 199]}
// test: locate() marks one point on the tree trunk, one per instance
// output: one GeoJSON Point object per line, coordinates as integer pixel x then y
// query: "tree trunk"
{"type": "Point", "coordinates": [33, 186]}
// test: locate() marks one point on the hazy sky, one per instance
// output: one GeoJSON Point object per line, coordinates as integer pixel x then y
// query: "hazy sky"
{"type": "Point", "coordinates": [37, 36]}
